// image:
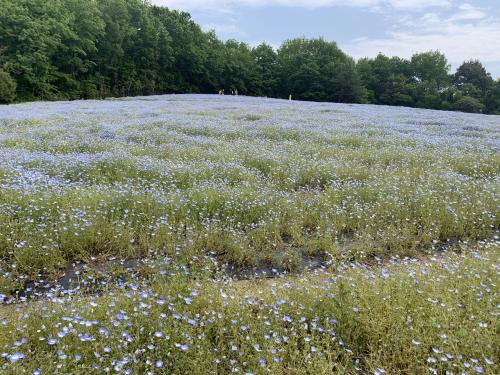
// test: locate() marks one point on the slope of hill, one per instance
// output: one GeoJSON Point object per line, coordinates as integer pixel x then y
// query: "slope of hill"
{"type": "Point", "coordinates": [379, 225]}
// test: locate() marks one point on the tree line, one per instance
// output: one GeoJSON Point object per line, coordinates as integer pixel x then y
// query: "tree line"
{"type": "Point", "coordinates": [85, 49]}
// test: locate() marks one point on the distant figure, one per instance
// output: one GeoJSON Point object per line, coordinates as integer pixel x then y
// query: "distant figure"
{"type": "Point", "coordinates": [236, 92]}
{"type": "Point", "coordinates": [232, 92]}
{"type": "Point", "coordinates": [290, 97]}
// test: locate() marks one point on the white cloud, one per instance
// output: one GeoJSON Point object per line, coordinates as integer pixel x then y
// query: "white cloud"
{"type": "Point", "coordinates": [230, 29]}
{"type": "Point", "coordinates": [417, 4]}
{"type": "Point", "coordinates": [459, 41]}
{"type": "Point", "coordinates": [214, 5]}
{"type": "Point", "coordinates": [468, 12]}
{"type": "Point", "coordinates": [465, 32]}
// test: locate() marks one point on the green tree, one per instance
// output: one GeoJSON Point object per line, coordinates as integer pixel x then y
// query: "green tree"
{"type": "Point", "coordinates": [395, 91]}
{"type": "Point", "coordinates": [311, 70]}
{"type": "Point", "coordinates": [469, 104]}
{"type": "Point", "coordinates": [430, 67]}
{"type": "Point", "coordinates": [190, 48]}
{"type": "Point", "coordinates": [75, 57]}
{"type": "Point", "coordinates": [267, 69]}
{"type": "Point", "coordinates": [429, 79]}
{"type": "Point", "coordinates": [343, 83]}
{"type": "Point", "coordinates": [492, 101]}
{"type": "Point", "coordinates": [473, 73]}
{"type": "Point", "coordinates": [7, 87]}
{"type": "Point", "coordinates": [364, 68]}
{"type": "Point", "coordinates": [117, 71]}
{"type": "Point", "coordinates": [387, 79]}
{"type": "Point", "coordinates": [239, 68]}
{"type": "Point", "coordinates": [29, 31]}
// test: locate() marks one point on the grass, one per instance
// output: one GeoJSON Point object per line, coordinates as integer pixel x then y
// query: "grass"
{"type": "Point", "coordinates": [405, 317]}
{"type": "Point", "coordinates": [251, 183]}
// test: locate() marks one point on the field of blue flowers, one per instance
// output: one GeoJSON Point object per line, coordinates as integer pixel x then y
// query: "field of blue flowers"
{"type": "Point", "coordinates": [219, 234]}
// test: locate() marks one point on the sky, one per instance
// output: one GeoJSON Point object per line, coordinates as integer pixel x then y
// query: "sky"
{"type": "Point", "coordinates": [462, 30]}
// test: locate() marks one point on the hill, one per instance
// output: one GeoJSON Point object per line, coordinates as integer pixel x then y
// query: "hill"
{"type": "Point", "coordinates": [220, 234]}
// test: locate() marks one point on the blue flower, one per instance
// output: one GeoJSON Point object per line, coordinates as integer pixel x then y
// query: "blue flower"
{"type": "Point", "coordinates": [13, 358]}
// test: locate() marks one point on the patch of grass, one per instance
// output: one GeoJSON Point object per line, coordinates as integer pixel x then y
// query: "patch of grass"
{"type": "Point", "coordinates": [252, 117]}
{"type": "Point", "coordinates": [407, 317]}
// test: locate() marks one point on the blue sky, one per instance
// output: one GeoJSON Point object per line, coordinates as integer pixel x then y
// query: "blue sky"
{"type": "Point", "coordinates": [461, 29]}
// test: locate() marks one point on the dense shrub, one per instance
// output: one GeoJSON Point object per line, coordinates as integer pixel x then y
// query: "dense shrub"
{"type": "Point", "coordinates": [7, 87]}
{"type": "Point", "coordinates": [469, 104]}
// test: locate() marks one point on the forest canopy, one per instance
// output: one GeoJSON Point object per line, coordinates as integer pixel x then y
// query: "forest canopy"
{"type": "Point", "coordinates": [86, 49]}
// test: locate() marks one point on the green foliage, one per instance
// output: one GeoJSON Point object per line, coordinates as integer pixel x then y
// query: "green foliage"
{"type": "Point", "coordinates": [492, 100]}
{"type": "Point", "coordinates": [473, 73]}
{"type": "Point", "coordinates": [31, 32]}
{"type": "Point", "coordinates": [430, 66]}
{"type": "Point", "coordinates": [318, 70]}
{"type": "Point", "coordinates": [7, 87]}
{"type": "Point", "coordinates": [469, 104]}
{"type": "Point", "coordinates": [423, 81]}
{"type": "Point", "coordinates": [430, 77]}
{"type": "Point", "coordinates": [240, 68]}
{"type": "Point", "coordinates": [386, 79]}
{"type": "Point", "coordinates": [267, 69]}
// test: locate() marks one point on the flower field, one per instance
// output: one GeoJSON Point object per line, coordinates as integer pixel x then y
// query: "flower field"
{"type": "Point", "coordinates": [242, 235]}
